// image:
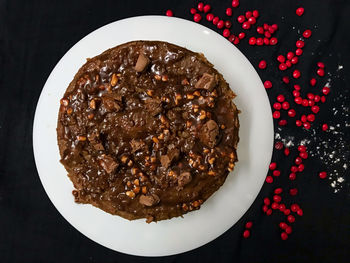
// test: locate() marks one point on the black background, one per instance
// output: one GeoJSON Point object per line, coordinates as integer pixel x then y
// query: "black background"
{"type": "Point", "coordinates": [34, 35]}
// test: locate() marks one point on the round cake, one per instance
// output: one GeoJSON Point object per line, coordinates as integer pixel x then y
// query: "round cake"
{"type": "Point", "coordinates": [148, 130]}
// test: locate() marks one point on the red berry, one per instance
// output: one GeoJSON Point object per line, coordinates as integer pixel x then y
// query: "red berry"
{"type": "Point", "coordinates": [305, 102]}
{"type": "Point", "coordinates": [293, 191]}
{"type": "Point", "coordinates": [298, 161]}
{"type": "Point", "coordinates": [280, 98]}
{"type": "Point", "coordinates": [274, 26]}
{"type": "Point", "coordinates": [301, 167]}
{"type": "Point", "coordinates": [303, 155]}
{"type": "Point", "coordinates": [297, 87]}
{"type": "Point", "coordinates": [241, 35]}
{"type": "Point", "coordinates": [252, 20]}
{"type": "Point", "coordinates": [320, 72]}
{"type": "Point", "coordinates": [310, 96]}
{"type": "Point", "coordinates": [275, 206]}
{"type": "Point", "coordinates": [241, 19]}
{"type": "Point", "coordinates": [267, 84]}
{"type": "Point", "coordinates": [267, 201]}
{"type": "Point", "coordinates": [269, 212]}
{"type": "Point", "coordinates": [292, 176]}
{"type": "Point", "coordinates": [311, 103]}
{"type": "Point", "coordinates": [282, 66]}
{"type": "Point", "coordinates": [286, 151]}
{"type": "Point", "coordinates": [299, 52]}
{"type": "Point", "coordinates": [291, 219]}
{"type": "Point", "coordinates": [323, 99]}
{"type": "Point", "coordinates": [307, 125]}
{"type": "Point", "coordinates": [279, 145]}
{"type": "Point", "coordinates": [277, 199]}
{"type": "Point", "coordinates": [246, 233]}
{"type": "Point", "coordinates": [265, 208]}
{"type": "Point", "coordinates": [206, 8]}
{"type": "Point", "coordinates": [282, 123]}
{"type": "Point", "coordinates": [290, 55]}
{"type": "Point", "coordinates": [310, 117]}
{"type": "Point", "coordinates": [200, 6]}
{"type": "Point", "coordinates": [226, 32]}
{"type": "Point", "coordinates": [260, 30]}
{"type": "Point", "coordinates": [278, 191]}
{"type": "Point", "coordinates": [193, 11]}
{"type": "Point", "coordinates": [210, 17]}
{"type": "Point", "coordinates": [320, 64]}
{"type": "Point", "coordinates": [236, 41]}
{"type": "Point", "coordinates": [300, 44]}
{"type": "Point", "coordinates": [315, 109]}
{"type": "Point", "coordinates": [296, 74]}
{"type": "Point", "coordinates": [286, 212]}
{"type": "Point", "coordinates": [197, 18]}
{"type": "Point", "coordinates": [322, 175]}
{"type": "Point", "coordinates": [216, 20]}
{"type": "Point", "coordinates": [228, 24]}
{"type": "Point", "coordinates": [259, 41]}
{"type": "Point", "coordinates": [262, 64]}
{"type": "Point", "coordinates": [272, 166]}
{"type": "Point", "coordinates": [307, 33]}
{"type": "Point", "coordinates": [249, 224]}
{"type": "Point", "coordinates": [284, 236]}
{"type": "Point", "coordinates": [294, 60]}
{"type": "Point", "coordinates": [276, 173]}
{"type": "Point", "coordinates": [283, 225]}
{"type": "Point", "coordinates": [303, 118]}
{"type": "Point", "coordinates": [266, 41]}
{"type": "Point", "coordinates": [299, 11]}
{"type": "Point", "coordinates": [229, 11]}
{"type": "Point", "coordinates": [266, 26]}
{"type": "Point", "coordinates": [325, 90]}
{"type": "Point", "coordinates": [294, 207]}
{"type": "Point", "coordinates": [313, 82]}
{"type": "Point", "coordinates": [220, 24]}
{"type": "Point", "coordinates": [288, 230]}
{"type": "Point", "coordinates": [302, 148]}
{"type": "Point", "coordinates": [246, 25]}
{"type": "Point", "coordinates": [300, 212]}
{"type": "Point", "coordinates": [324, 127]}
{"type": "Point", "coordinates": [232, 38]}
{"type": "Point", "coordinates": [252, 41]}
{"type": "Point", "coordinates": [282, 207]}
{"type": "Point", "coordinates": [235, 3]}
{"type": "Point", "coordinates": [317, 98]}
{"type": "Point", "coordinates": [248, 14]}
{"type": "Point", "coordinates": [296, 94]}
{"type": "Point", "coordinates": [285, 105]}
{"type": "Point", "coordinates": [169, 13]}
{"type": "Point", "coordinates": [269, 179]}
{"type": "Point", "coordinates": [298, 123]}
{"type": "Point", "coordinates": [273, 41]}
{"type": "Point", "coordinates": [288, 63]}
{"type": "Point", "coordinates": [256, 13]}
{"type": "Point", "coordinates": [281, 58]}
{"type": "Point", "coordinates": [276, 114]}
{"type": "Point", "coordinates": [294, 169]}
{"type": "Point", "coordinates": [277, 106]}
{"type": "Point", "coordinates": [285, 79]}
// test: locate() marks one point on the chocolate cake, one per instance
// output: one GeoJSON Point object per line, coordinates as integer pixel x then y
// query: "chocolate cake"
{"type": "Point", "coordinates": [148, 130]}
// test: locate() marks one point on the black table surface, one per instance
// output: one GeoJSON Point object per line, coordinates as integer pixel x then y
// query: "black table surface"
{"type": "Point", "coordinates": [34, 35]}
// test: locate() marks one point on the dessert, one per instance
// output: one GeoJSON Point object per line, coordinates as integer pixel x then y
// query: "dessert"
{"type": "Point", "coordinates": [148, 130]}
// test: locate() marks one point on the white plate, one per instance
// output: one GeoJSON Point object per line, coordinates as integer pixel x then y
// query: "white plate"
{"type": "Point", "coordinates": [225, 207]}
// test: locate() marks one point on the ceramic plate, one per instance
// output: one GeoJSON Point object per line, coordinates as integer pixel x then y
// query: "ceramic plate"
{"type": "Point", "coordinates": [219, 212]}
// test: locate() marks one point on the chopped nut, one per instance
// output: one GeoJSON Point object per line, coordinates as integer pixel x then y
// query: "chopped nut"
{"type": "Point", "coordinates": [147, 158]}
{"type": "Point", "coordinates": [150, 92]}
{"type": "Point", "coordinates": [64, 102]}
{"type": "Point", "coordinates": [165, 78]}
{"type": "Point", "coordinates": [157, 77]}
{"type": "Point", "coordinates": [128, 184]}
{"type": "Point", "coordinates": [91, 116]}
{"type": "Point", "coordinates": [208, 115]}
{"type": "Point", "coordinates": [161, 136]}
{"type": "Point", "coordinates": [211, 160]}
{"type": "Point", "coordinates": [202, 115]}
{"type": "Point", "coordinates": [188, 124]}
{"type": "Point", "coordinates": [190, 96]}
{"type": "Point", "coordinates": [153, 159]}
{"type": "Point", "coordinates": [155, 139]}
{"type": "Point", "coordinates": [229, 169]}
{"type": "Point", "coordinates": [190, 162]}
{"type": "Point", "coordinates": [185, 82]}
{"type": "Point", "coordinates": [134, 170]}
{"type": "Point", "coordinates": [153, 167]}
{"type": "Point", "coordinates": [144, 189]}
{"type": "Point", "coordinates": [197, 93]}
{"type": "Point", "coordinates": [201, 167]}
{"type": "Point", "coordinates": [196, 204]}
{"type": "Point", "coordinates": [109, 88]}
{"type": "Point", "coordinates": [195, 108]}
{"type": "Point", "coordinates": [136, 190]}
{"type": "Point", "coordinates": [92, 104]}
{"type": "Point", "coordinates": [166, 131]}
{"type": "Point", "coordinates": [81, 138]}
{"type": "Point", "coordinates": [97, 78]}
{"type": "Point", "coordinates": [130, 163]}
{"type": "Point", "coordinates": [178, 97]}
{"type": "Point", "coordinates": [214, 93]}
{"type": "Point", "coordinates": [143, 178]}
{"type": "Point", "coordinates": [206, 150]}
{"type": "Point", "coordinates": [163, 119]}
{"type": "Point", "coordinates": [114, 80]}
{"type": "Point", "coordinates": [231, 165]}
{"type": "Point", "coordinates": [131, 194]}
{"type": "Point", "coordinates": [212, 173]}
{"type": "Point", "coordinates": [232, 155]}
{"type": "Point", "coordinates": [222, 126]}
{"type": "Point", "coordinates": [101, 87]}
{"type": "Point", "coordinates": [69, 111]}
{"type": "Point", "coordinates": [137, 182]}
{"type": "Point", "coordinates": [124, 159]}
{"type": "Point", "coordinates": [171, 173]}
{"type": "Point", "coordinates": [184, 207]}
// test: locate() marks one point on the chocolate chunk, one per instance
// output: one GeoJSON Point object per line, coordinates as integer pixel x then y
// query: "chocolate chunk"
{"type": "Point", "coordinates": [95, 141]}
{"type": "Point", "coordinates": [208, 133]}
{"type": "Point", "coordinates": [183, 179]}
{"type": "Point", "coordinates": [137, 145]}
{"type": "Point", "coordinates": [142, 63]}
{"type": "Point", "coordinates": [153, 106]}
{"type": "Point", "coordinates": [149, 200]}
{"type": "Point", "coordinates": [110, 104]}
{"type": "Point", "coordinates": [166, 160]}
{"type": "Point", "coordinates": [107, 163]}
{"type": "Point", "coordinates": [207, 81]}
